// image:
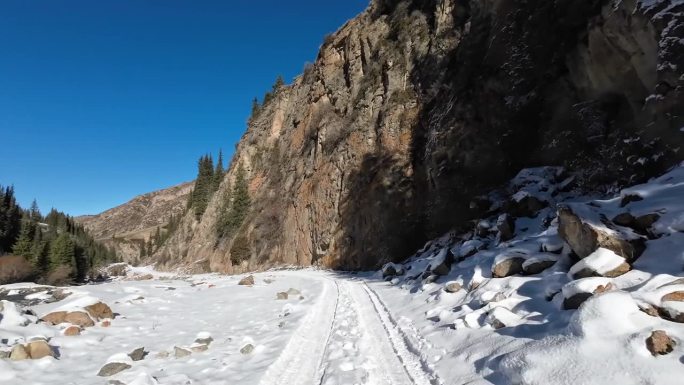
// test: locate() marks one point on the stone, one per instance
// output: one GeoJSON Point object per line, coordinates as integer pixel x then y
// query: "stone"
{"type": "Point", "coordinates": [54, 318]}
{"type": "Point", "coordinates": [392, 270]}
{"type": "Point", "coordinates": [142, 277]}
{"type": "Point", "coordinates": [443, 267]}
{"type": "Point", "coordinates": [643, 223]}
{"type": "Point", "coordinates": [181, 352]}
{"type": "Point", "coordinates": [19, 353]}
{"type": "Point", "coordinates": [39, 349]}
{"type": "Point", "coordinates": [624, 219]}
{"type": "Point", "coordinates": [138, 354]}
{"type": "Point", "coordinates": [659, 343]}
{"type": "Point", "coordinates": [505, 225]}
{"type": "Point", "coordinates": [247, 281]}
{"type": "Point", "coordinates": [537, 266]}
{"type": "Point", "coordinates": [113, 368]}
{"type": "Point", "coordinates": [627, 199]}
{"type": "Point", "coordinates": [578, 299]}
{"type": "Point", "coordinates": [584, 239]}
{"type": "Point", "coordinates": [4, 354]}
{"type": "Point", "coordinates": [281, 296]}
{"type": "Point", "coordinates": [507, 267]}
{"type": "Point", "coordinates": [247, 349]}
{"type": "Point", "coordinates": [453, 287]}
{"type": "Point", "coordinates": [99, 311]}
{"type": "Point", "coordinates": [649, 309]}
{"type": "Point", "coordinates": [526, 206]}
{"type": "Point", "coordinates": [673, 296]}
{"type": "Point", "coordinates": [204, 341]}
{"type": "Point", "coordinates": [60, 294]}
{"type": "Point", "coordinates": [79, 318]}
{"type": "Point", "coordinates": [624, 268]}
{"type": "Point", "coordinates": [199, 348]}
{"type": "Point", "coordinates": [72, 330]}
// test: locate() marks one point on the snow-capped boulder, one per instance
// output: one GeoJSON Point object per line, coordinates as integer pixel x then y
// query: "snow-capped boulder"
{"type": "Point", "coordinates": [659, 343]}
{"type": "Point", "coordinates": [113, 368]}
{"type": "Point", "coordinates": [71, 331]}
{"type": "Point", "coordinates": [137, 354]}
{"type": "Point", "coordinates": [54, 318]}
{"type": "Point", "coordinates": [586, 232]}
{"type": "Point", "coordinates": [247, 281]}
{"type": "Point", "coordinates": [199, 348]}
{"type": "Point", "coordinates": [281, 296]}
{"type": "Point", "coordinates": [441, 264]}
{"type": "Point", "coordinates": [673, 296]}
{"type": "Point", "coordinates": [525, 204]}
{"type": "Point", "coordinates": [204, 338]}
{"type": "Point", "coordinates": [453, 287]}
{"type": "Point", "coordinates": [673, 311]}
{"type": "Point", "coordinates": [507, 264]}
{"type": "Point", "coordinates": [577, 292]}
{"type": "Point", "coordinates": [600, 263]}
{"type": "Point", "coordinates": [247, 349]}
{"type": "Point", "coordinates": [500, 317]}
{"type": "Point", "coordinates": [180, 352]}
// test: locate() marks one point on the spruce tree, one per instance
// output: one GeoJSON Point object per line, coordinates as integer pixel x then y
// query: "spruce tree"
{"type": "Point", "coordinates": [218, 172]}
{"type": "Point", "coordinates": [62, 252]}
{"type": "Point", "coordinates": [255, 108]}
{"type": "Point", "coordinates": [279, 83]}
{"type": "Point", "coordinates": [34, 212]}
{"type": "Point", "coordinates": [24, 245]}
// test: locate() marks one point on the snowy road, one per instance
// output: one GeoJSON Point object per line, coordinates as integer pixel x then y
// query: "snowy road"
{"type": "Point", "coordinates": [337, 331]}
{"type": "Point", "coordinates": [348, 338]}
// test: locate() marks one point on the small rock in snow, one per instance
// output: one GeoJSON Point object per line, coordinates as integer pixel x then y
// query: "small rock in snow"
{"type": "Point", "coordinates": [507, 266]}
{"type": "Point", "coordinates": [659, 343]}
{"type": "Point", "coordinates": [505, 224]}
{"type": "Point", "coordinates": [19, 353]}
{"type": "Point", "coordinates": [247, 349]}
{"type": "Point", "coordinates": [72, 330]}
{"type": "Point", "coordinates": [113, 368]}
{"type": "Point", "coordinates": [627, 199]}
{"type": "Point", "coordinates": [282, 295]}
{"type": "Point", "coordinates": [537, 266]}
{"type": "Point", "coordinates": [247, 281]}
{"type": "Point", "coordinates": [54, 318]}
{"type": "Point", "coordinates": [198, 348]}
{"type": "Point", "coordinates": [79, 318]}
{"type": "Point", "coordinates": [181, 352]}
{"type": "Point", "coordinates": [138, 354]}
{"type": "Point", "coordinates": [600, 263]}
{"type": "Point", "coordinates": [99, 311]}
{"type": "Point", "coordinates": [453, 287]}
{"type": "Point", "coordinates": [392, 269]}
{"type": "Point", "coordinates": [39, 349]}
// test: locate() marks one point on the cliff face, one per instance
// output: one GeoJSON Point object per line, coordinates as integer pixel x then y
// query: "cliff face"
{"type": "Point", "coordinates": [414, 108]}
{"type": "Point", "coordinates": [125, 227]}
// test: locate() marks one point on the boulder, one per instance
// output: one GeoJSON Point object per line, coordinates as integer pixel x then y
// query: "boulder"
{"type": "Point", "coordinates": [441, 265]}
{"type": "Point", "coordinates": [79, 318]}
{"type": "Point", "coordinates": [672, 311]}
{"type": "Point", "coordinates": [627, 199]}
{"type": "Point", "coordinates": [247, 281]}
{"type": "Point", "coordinates": [500, 317]}
{"type": "Point", "coordinates": [524, 204]}
{"type": "Point", "coordinates": [505, 225]}
{"type": "Point", "coordinates": [181, 352]}
{"type": "Point", "coordinates": [204, 341]}
{"type": "Point", "coordinates": [138, 354]}
{"type": "Point", "coordinates": [641, 224]}
{"type": "Point", "coordinates": [39, 349]}
{"type": "Point", "coordinates": [282, 295]}
{"type": "Point", "coordinates": [4, 354]}
{"type": "Point", "coordinates": [99, 311]}
{"type": "Point", "coordinates": [574, 300]}
{"type": "Point", "coordinates": [54, 318]}
{"type": "Point", "coordinates": [19, 353]}
{"type": "Point", "coordinates": [659, 343]}
{"type": "Point", "coordinates": [673, 296]}
{"type": "Point", "coordinates": [600, 263]}
{"type": "Point", "coordinates": [624, 219]}
{"type": "Point", "coordinates": [60, 294]}
{"type": "Point", "coordinates": [72, 330]}
{"type": "Point", "coordinates": [113, 368]}
{"type": "Point", "coordinates": [198, 348]}
{"type": "Point", "coordinates": [247, 349]}
{"type": "Point", "coordinates": [584, 238]}
{"type": "Point", "coordinates": [453, 287]}
{"type": "Point", "coordinates": [392, 270]}
{"type": "Point", "coordinates": [507, 265]}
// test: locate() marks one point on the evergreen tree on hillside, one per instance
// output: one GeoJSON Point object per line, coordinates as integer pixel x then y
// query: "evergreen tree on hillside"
{"type": "Point", "coordinates": [24, 244]}
{"type": "Point", "coordinates": [255, 108]}
{"type": "Point", "coordinates": [62, 251]}
{"type": "Point", "coordinates": [279, 83]}
{"type": "Point", "coordinates": [34, 212]}
{"type": "Point", "coordinates": [203, 185]}
{"type": "Point", "coordinates": [219, 172]}
{"type": "Point", "coordinates": [231, 219]}
{"type": "Point", "coordinates": [39, 252]}
{"type": "Point", "coordinates": [10, 219]}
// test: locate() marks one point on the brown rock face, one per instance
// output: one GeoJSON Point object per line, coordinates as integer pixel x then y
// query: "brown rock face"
{"type": "Point", "coordinates": [584, 238]}
{"type": "Point", "coordinates": [414, 108]}
{"type": "Point", "coordinates": [659, 343]}
{"type": "Point", "coordinates": [247, 281]}
{"type": "Point", "coordinates": [72, 331]}
{"type": "Point", "coordinates": [674, 296]}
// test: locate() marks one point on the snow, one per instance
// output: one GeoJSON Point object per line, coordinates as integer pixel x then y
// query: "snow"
{"type": "Point", "coordinates": [600, 261]}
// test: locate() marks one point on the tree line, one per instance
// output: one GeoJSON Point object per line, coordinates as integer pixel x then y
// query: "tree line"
{"type": "Point", "coordinates": [52, 248]}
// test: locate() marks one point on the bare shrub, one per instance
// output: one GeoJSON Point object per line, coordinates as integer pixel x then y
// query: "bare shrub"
{"type": "Point", "coordinates": [15, 269]}
{"type": "Point", "coordinates": [60, 276]}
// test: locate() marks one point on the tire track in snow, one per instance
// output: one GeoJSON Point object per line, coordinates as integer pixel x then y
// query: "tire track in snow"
{"type": "Point", "coordinates": [299, 362]}
{"type": "Point", "coordinates": [403, 343]}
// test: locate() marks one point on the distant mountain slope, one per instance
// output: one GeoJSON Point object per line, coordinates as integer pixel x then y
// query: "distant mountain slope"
{"type": "Point", "coordinates": [124, 226]}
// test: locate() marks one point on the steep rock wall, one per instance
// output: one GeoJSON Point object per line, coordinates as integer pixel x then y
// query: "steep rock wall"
{"type": "Point", "coordinates": [414, 108]}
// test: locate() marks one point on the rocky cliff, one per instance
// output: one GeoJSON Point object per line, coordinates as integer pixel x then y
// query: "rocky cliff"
{"type": "Point", "coordinates": [415, 108]}
{"type": "Point", "coordinates": [126, 227]}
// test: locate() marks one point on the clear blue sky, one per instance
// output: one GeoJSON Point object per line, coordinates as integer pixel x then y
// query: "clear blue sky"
{"type": "Point", "coordinates": [104, 100]}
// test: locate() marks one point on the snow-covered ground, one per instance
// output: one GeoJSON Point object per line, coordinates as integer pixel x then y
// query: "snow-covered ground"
{"type": "Point", "coordinates": [520, 300]}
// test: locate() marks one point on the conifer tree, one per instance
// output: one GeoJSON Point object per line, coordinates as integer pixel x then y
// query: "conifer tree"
{"type": "Point", "coordinates": [62, 252]}
{"type": "Point", "coordinates": [218, 172]}
{"type": "Point", "coordinates": [24, 244]}
{"type": "Point", "coordinates": [279, 83]}
{"type": "Point", "coordinates": [34, 212]}
{"type": "Point", "coordinates": [255, 108]}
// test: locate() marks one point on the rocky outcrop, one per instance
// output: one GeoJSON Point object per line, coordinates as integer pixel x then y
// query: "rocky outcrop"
{"type": "Point", "coordinates": [414, 108]}
{"type": "Point", "coordinates": [127, 226]}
